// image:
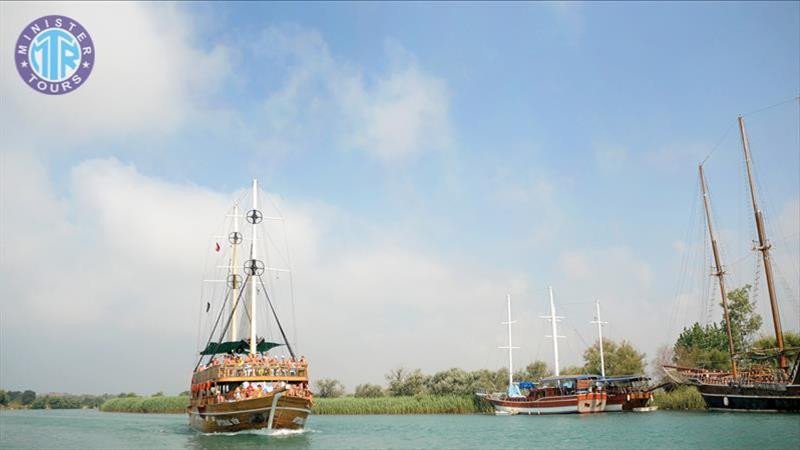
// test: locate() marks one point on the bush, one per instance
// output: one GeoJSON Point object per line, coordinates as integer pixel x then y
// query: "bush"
{"type": "Point", "coordinates": [160, 404]}
{"type": "Point", "coordinates": [682, 397]}
{"type": "Point", "coordinates": [369, 390]}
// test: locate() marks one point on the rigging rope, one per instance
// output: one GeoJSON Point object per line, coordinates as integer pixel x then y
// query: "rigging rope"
{"type": "Point", "coordinates": [275, 315]}
{"type": "Point", "coordinates": [219, 316]}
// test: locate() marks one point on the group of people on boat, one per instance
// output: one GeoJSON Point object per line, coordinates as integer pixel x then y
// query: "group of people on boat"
{"type": "Point", "coordinates": [258, 365]}
{"type": "Point", "coordinates": [249, 390]}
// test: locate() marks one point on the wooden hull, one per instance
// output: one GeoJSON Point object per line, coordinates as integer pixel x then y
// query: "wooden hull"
{"type": "Point", "coordinates": [627, 401]}
{"type": "Point", "coordinates": [276, 411]}
{"type": "Point", "coordinates": [587, 403]}
{"type": "Point", "coordinates": [751, 398]}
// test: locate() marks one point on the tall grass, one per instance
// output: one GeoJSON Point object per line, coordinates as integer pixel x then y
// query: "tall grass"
{"type": "Point", "coordinates": [418, 404]}
{"type": "Point", "coordinates": [163, 405]}
{"type": "Point", "coordinates": [682, 397]}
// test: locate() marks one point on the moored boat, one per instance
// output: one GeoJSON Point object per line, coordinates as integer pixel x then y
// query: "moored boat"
{"type": "Point", "coordinates": [763, 387]}
{"type": "Point", "coordinates": [241, 385]}
{"type": "Point", "coordinates": [568, 394]}
{"type": "Point", "coordinates": [627, 393]}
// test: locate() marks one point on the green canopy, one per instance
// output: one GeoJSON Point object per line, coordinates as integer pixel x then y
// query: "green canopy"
{"type": "Point", "coordinates": [243, 346]}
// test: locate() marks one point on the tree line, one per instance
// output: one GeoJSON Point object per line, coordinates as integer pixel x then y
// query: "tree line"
{"type": "Point", "coordinates": [620, 359]}
{"type": "Point", "coordinates": [29, 399]}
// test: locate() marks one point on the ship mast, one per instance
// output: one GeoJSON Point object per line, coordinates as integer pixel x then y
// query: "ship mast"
{"type": "Point", "coordinates": [234, 238]}
{"type": "Point", "coordinates": [553, 318]}
{"type": "Point", "coordinates": [763, 247]}
{"type": "Point", "coordinates": [510, 347]}
{"type": "Point", "coordinates": [253, 288]}
{"type": "Point", "coordinates": [720, 273]}
{"type": "Point", "coordinates": [600, 324]}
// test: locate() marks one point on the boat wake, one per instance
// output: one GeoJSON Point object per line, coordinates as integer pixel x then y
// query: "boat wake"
{"type": "Point", "coordinates": [262, 432]}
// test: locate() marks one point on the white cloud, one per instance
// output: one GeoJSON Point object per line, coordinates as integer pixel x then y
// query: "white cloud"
{"type": "Point", "coordinates": [113, 267]}
{"type": "Point", "coordinates": [149, 76]}
{"type": "Point", "coordinates": [396, 116]}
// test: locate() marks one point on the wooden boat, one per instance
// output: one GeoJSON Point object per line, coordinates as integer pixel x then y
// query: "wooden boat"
{"type": "Point", "coordinates": [570, 394]}
{"type": "Point", "coordinates": [625, 393]}
{"type": "Point", "coordinates": [555, 395]}
{"type": "Point", "coordinates": [241, 385]}
{"type": "Point", "coordinates": [757, 388]}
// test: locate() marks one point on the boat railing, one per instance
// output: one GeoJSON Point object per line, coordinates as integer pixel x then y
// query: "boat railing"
{"type": "Point", "coordinates": [251, 370]}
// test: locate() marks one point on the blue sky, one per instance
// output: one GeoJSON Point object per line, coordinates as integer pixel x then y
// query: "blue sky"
{"type": "Point", "coordinates": [500, 146]}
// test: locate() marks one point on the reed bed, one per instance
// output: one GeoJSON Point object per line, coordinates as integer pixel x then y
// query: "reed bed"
{"type": "Point", "coordinates": [682, 397]}
{"type": "Point", "coordinates": [159, 405]}
{"type": "Point", "coordinates": [418, 404]}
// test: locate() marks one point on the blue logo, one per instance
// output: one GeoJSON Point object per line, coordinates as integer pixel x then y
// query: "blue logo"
{"type": "Point", "coordinates": [54, 55]}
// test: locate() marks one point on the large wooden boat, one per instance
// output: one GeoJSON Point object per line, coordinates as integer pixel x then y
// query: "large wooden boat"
{"type": "Point", "coordinates": [555, 395]}
{"type": "Point", "coordinates": [238, 384]}
{"type": "Point", "coordinates": [765, 387]}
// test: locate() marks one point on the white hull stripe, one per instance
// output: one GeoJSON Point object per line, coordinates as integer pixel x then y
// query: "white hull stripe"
{"type": "Point", "coordinates": [787, 397]}
{"type": "Point", "coordinates": [552, 410]}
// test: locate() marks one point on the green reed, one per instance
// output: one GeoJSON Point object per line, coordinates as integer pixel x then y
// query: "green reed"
{"type": "Point", "coordinates": [682, 397]}
{"type": "Point", "coordinates": [418, 404]}
{"type": "Point", "coordinates": [162, 405]}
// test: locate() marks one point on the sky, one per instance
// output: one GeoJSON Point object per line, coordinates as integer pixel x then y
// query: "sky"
{"type": "Point", "coordinates": [429, 158]}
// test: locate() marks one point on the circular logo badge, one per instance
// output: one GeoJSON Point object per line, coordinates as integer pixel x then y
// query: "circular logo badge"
{"type": "Point", "coordinates": [54, 55]}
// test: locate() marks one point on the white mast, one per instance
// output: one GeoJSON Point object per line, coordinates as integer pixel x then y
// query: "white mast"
{"type": "Point", "coordinates": [233, 271]}
{"type": "Point", "coordinates": [553, 318]}
{"type": "Point", "coordinates": [509, 347]}
{"type": "Point", "coordinates": [253, 291]}
{"type": "Point", "coordinates": [600, 336]}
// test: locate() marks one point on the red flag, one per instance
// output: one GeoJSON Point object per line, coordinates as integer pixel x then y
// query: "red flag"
{"type": "Point", "coordinates": [217, 249]}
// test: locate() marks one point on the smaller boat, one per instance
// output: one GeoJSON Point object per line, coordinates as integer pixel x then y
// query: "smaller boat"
{"type": "Point", "coordinates": [625, 393]}
{"type": "Point", "coordinates": [554, 395]}
{"type": "Point", "coordinates": [628, 393]}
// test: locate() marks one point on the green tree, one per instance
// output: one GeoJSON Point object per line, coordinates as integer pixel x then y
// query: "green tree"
{"type": "Point", "coordinates": [27, 397]}
{"type": "Point", "coordinates": [330, 388]}
{"type": "Point", "coordinates": [369, 390]}
{"type": "Point", "coordinates": [3, 398]}
{"type": "Point", "coordinates": [745, 322]}
{"type": "Point", "coordinates": [790, 339]}
{"type": "Point", "coordinates": [158, 394]}
{"type": "Point", "coordinates": [707, 346]}
{"type": "Point", "coordinates": [489, 380]}
{"type": "Point", "coordinates": [534, 371]}
{"type": "Point", "coordinates": [620, 359]}
{"type": "Point", "coordinates": [572, 370]}
{"type": "Point", "coordinates": [403, 383]}
{"type": "Point", "coordinates": [451, 382]}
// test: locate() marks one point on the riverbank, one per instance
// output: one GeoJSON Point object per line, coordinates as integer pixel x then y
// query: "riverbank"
{"type": "Point", "coordinates": [681, 398]}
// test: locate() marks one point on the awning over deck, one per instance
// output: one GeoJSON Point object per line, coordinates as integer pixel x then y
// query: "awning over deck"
{"type": "Point", "coordinates": [243, 346]}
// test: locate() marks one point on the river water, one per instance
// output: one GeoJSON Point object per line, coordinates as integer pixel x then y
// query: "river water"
{"type": "Point", "coordinates": [88, 429]}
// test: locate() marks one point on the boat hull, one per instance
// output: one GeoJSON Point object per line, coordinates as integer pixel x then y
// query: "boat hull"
{"type": "Point", "coordinates": [276, 412]}
{"type": "Point", "coordinates": [627, 401]}
{"type": "Point", "coordinates": [587, 403]}
{"type": "Point", "coordinates": [751, 398]}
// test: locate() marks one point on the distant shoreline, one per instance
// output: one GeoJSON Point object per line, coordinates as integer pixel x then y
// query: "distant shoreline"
{"type": "Point", "coordinates": [680, 399]}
